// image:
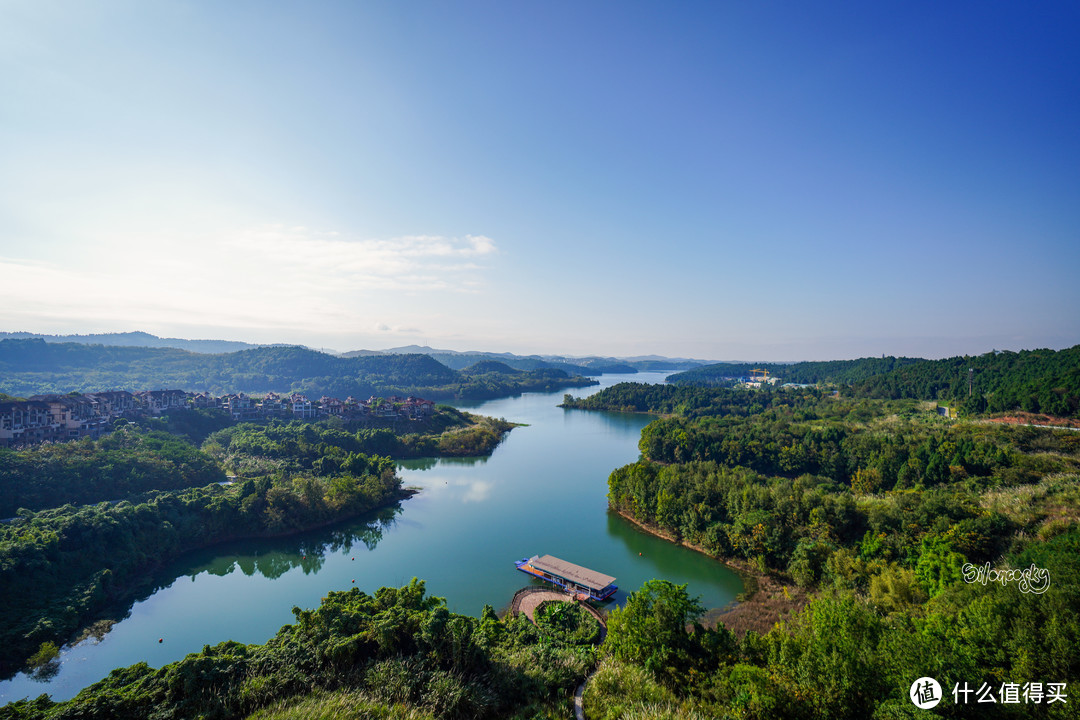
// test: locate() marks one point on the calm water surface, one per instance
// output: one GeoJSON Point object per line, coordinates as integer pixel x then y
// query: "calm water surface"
{"type": "Point", "coordinates": [542, 491]}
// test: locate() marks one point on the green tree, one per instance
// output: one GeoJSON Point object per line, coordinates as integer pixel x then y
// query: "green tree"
{"type": "Point", "coordinates": [938, 566]}
{"type": "Point", "coordinates": [651, 629]}
{"type": "Point", "coordinates": [808, 562]}
{"type": "Point", "coordinates": [46, 653]}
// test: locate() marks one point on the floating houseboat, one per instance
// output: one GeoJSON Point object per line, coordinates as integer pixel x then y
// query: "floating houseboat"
{"type": "Point", "coordinates": [583, 582]}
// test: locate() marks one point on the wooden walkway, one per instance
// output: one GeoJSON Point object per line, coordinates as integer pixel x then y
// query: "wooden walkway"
{"type": "Point", "coordinates": [527, 599]}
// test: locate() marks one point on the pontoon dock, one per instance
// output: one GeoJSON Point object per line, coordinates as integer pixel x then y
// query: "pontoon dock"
{"type": "Point", "coordinates": [573, 578]}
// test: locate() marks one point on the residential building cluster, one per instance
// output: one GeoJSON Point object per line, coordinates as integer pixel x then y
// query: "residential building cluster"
{"type": "Point", "coordinates": [58, 418]}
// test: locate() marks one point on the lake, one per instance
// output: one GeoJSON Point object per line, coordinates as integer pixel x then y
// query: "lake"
{"type": "Point", "coordinates": [543, 491]}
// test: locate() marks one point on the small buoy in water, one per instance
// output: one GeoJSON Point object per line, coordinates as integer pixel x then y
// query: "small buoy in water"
{"type": "Point", "coordinates": [639, 554]}
{"type": "Point", "coordinates": [354, 558]}
{"type": "Point", "coordinates": [160, 640]}
{"type": "Point", "coordinates": [354, 581]}
{"type": "Point", "coordinates": [303, 557]}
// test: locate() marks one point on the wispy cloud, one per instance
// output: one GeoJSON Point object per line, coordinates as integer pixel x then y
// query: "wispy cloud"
{"type": "Point", "coordinates": [265, 277]}
{"type": "Point", "coordinates": [381, 327]}
{"type": "Point", "coordinates": [413, 262]}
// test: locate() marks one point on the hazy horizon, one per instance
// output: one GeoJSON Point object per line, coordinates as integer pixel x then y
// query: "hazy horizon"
{"type": "Point", "coordinates": [708, 180]}
{"type": "Point", "coordinates": [465, 349]}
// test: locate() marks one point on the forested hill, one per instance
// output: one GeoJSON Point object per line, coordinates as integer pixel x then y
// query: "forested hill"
{"type": "Point", "coordinates": [33, 366]}
{"type": "Point", "coordinates": [1046, 381]}
{"type": "Point", "coordinates": [590, 367]}
{"type": "Point", "coordinates": [836, 371]}
{"type": "Point", "coordinates": [486, 366]}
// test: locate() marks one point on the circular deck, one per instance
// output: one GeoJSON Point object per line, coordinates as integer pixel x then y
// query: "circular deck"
{"type": "Point", "coordinates": [527, 599]}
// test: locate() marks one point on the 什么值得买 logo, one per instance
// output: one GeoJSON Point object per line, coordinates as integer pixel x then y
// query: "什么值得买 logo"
{"type": "Point", "coordinates": [925, 693]}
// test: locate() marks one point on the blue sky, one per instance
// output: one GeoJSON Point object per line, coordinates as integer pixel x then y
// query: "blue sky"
{"type": "Point", "coordinates": [774, 181]}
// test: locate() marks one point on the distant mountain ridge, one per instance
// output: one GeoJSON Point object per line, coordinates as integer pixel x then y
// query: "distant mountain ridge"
{"type": "Point", "coordinates": [140, 339]}
{"type": "Point", "coordinates": [592, 365]}
{"type": "Point", "coordinates": [34, 366]}
{"type": "Point", "coordinates": [589, 366]}
{"type": "Point", "coordinates": [454, 359]}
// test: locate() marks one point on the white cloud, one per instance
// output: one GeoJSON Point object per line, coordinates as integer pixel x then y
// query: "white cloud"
{"type": "Point", "coordinates": [264, 277]}
{"type": "Point", "coordinates": [397, 329]}
{"type": "Point", "coordinates": [413, 262]}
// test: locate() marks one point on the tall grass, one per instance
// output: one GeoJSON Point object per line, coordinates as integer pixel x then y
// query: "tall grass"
{"type": "Point", "coordinates": [340, 705]}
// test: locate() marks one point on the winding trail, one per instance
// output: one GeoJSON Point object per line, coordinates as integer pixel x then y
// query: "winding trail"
{"type": "Point", "coordinates": [579, 700]}
{"type": "Point", "coordinates": [527, 599]}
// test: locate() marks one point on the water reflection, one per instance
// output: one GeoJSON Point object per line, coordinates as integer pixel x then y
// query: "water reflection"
{"type": "Point", "coordinates": [636, 540]}
{"type": "Point", "coordinates": [46, 672]}
{"type": "Point", "coordinates": [274, 557]}
{"type": "Point", "coordinates": [418, 463]}
{"type": "Point", "coordinates": [271, 558]}
{"type": "Point", "coordinates": [477, 491]}
{"type": "Point", "coordinates": [620, 422]}
{"type": "Point", "coordinates": [429, 463]}
{"type": "Point", "coordinates": [657, 558]}
{"type": "Point", "coordinates": [453, 488]}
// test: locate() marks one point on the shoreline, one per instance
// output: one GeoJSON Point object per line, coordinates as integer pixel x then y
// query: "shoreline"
{"type": "Point", "coordinates": [766, 598]}
{"type": "Point", "coordinates": [625, 411]}
{"type": "Point", "coordinates": [123, 596]}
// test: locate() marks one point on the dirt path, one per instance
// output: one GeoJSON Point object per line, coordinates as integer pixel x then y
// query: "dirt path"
{"type": "Point", "coordinates": [526, 600]}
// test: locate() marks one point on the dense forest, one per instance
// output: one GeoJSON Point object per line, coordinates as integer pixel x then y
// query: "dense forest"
{"type": "Point", "coordinates": [883, 512]}
{"type": "Point", "coordinates": [32, 366]}
{"type": "Point", "coordinates": [1045, 381]}
{"type": "Point", "coordinates": [397, 654]}
{"type": "Point", "coordinates": [903, 448]}
{"type": "Point", "coordinates": [89, 519]}
{"type": "Point", "coordinates": [828, 371]}
{"type": "Point", "coordinates": [61, 567]}
{"type": "Point", "coordinates": [320, 447]}
{"type": "Point", "coordinates": [997, 651]}
{"type": "Point", "coordinates": [123, 463]}
{"type": "Point", "coordinates": [1032, 380]}
{"type": "Point", "coordinates": [685, 400]}
{"type": "Point", "coordinates": [130, 461]}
